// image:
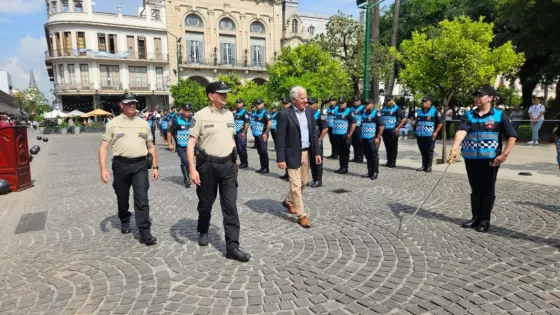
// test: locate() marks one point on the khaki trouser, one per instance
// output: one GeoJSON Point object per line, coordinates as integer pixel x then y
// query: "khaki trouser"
{"type": "Point", "coordinates": [298, 180]}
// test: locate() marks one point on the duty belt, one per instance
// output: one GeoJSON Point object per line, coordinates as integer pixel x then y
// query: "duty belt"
{"type": "Point", "coordinates": [128, 160]}
{"type": "Point", "coordinates": [218, 160]}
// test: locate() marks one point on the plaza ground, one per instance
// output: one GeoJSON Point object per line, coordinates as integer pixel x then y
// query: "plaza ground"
{"type": "Point", "coordinates": [350, 262]}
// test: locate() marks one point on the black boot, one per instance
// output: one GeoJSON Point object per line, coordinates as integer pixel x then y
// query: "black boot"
{"type": "Point", "coordinates": [318, 182]}
{"type": "Point", "coordinates": [423, 168]}
{"type": "Point", "coordinates": [356, 155]}
{"type": "Point", "coordinates": [429, 161]}
{"type": "Point", "coordinates": [485, 212]}
{"type": "Point", "coordinates": [203, 239]}
{"type": "Point", "coordinates": [186, 178]}
{"type": "Point", "coordinates": [285, 176]}
{"type": "Point", "coordinates": [369, 173]}
{"type": "Point", "coordinates": [475, 210]}
{"type": "Point", "coordinates": [313, 174]}
{"type": "Point", "coordinates": [237, 254]}
{"type": "Point", "coordinates": [375, 169]}
{"type": "Point", "coordinates": [345, 160]}
{"type": "Point", "coordinates": [243, 159]}
{"type": "Point", "coordinates": [125, 227]}
{"type": "Point", "coordinates": [147, 239]}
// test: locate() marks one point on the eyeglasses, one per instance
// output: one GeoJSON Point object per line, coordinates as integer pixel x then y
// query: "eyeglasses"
{"type": "Point", "coordinates": [131, 104]}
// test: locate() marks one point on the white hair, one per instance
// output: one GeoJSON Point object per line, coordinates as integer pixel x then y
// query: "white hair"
{"type": "Point", "coordinates": [294, 92]}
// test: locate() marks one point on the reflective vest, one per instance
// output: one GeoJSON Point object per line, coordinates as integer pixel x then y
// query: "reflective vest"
{"type": "Point", "coordinates": [257, 125]}
{"type": "Point", "coordinates": [165, 122]}
{"type": "Point", "coordinates": [274, 120]}
{"type": "Point", "coordinates": [330, 116]}
{"type": "Point", "coordinates": [340, 125]}
{"type": "Point", "coordinates": [389, 117]}
{"type": "Point", "coordinates": [369, 127]}
{"type": "Point", "coordinates": [483, 137]}
{"type": "Point", "coordinates": [425, 122]}
{"type": "Point", "coordinates": [358, 114]}
{"type": "Point", "coordinates": [152, 121]}
{"type": "Point", "coordinates": [239, 120]}
{"type": "Point", "coordinates": [182, 130]}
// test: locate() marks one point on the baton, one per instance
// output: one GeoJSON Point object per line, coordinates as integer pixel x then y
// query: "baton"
{"type": "Point", "coordinates": [401, 214]}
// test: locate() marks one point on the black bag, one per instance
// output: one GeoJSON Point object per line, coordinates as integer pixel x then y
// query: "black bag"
{"type": "Point", "coordinates": [149, 161]}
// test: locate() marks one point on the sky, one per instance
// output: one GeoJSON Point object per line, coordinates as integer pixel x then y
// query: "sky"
{"type": "Point", "coordinates": [23, 34]}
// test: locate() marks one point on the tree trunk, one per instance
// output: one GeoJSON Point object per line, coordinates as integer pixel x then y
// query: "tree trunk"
{"type": "Point", "coordinates": [527, 88]}
{"type": "Point", "coordinates": [391, 83]}
{"type": "Point", "coordinates": [356, 84]}
{"type": "Point", "coordinates": [548, 126]}
{"type": "Point", "coordinates": [375, 38]}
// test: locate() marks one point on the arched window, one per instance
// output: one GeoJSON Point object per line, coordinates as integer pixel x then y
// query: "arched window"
{"type": "Point", "coordinates": [226, 24]}
{"type": "Point", "coordinates": [257, 27]}
{"type": "Point", "coordinates": [294, 26]}
{"type": "Point", "coordinates": [193, 20]}
{"type": "Point", "coordinates": [311, 30]}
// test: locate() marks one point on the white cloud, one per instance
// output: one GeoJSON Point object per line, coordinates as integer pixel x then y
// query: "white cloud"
{"type": "Point", "coordinates": [30, 56]}
{"type": "Point", "coordinates": [21, 6]}
{"type": "Point", "coordinates": [5, 21]}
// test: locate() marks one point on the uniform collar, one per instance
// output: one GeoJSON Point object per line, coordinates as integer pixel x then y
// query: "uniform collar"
{"type": "Point", "coordinates": [214, 110]}
{"type": "Point", "coordinates": [426, 110]}
{"type": "Point", "coordinates": [490, 112]}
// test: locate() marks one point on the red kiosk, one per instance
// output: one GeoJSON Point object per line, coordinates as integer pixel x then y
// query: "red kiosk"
{"type": "Point", "coordinates": [14, 158]}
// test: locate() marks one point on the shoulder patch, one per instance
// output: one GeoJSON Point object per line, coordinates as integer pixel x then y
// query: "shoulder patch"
{"type": "Point", "coordinates": [378, 114]}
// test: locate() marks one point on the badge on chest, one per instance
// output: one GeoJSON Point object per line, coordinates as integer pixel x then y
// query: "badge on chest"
{"type": "Point", "coordinates": [490, 124]}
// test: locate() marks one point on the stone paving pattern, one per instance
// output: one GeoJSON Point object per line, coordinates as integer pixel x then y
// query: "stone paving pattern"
{"type": "Point", "coordinates": [349, 262]}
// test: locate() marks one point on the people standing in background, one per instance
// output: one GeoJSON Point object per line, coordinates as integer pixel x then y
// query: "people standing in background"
{"type": "Point", "coordinates": [536, 113]}
{"type": "Point", "coordinates": [516, 116]}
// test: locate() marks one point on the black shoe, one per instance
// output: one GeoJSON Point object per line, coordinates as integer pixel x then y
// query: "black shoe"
{"type": "Point", "coordinates": [333, 157]}
{"type": "Point", "coordinates": [422, 169]}
{"type": "Point", "coordinates": [483, 226]}
{"type": "Point", "coordinates": [338, 170]}
{"type": "Point", "coordinates": [243, 165]}
{"type": "Point", "coordinates": [187, 182]}
{"type": "Point", "coordinates": [472, 223]}
{"type": "Point", "coordinates": [259, 170]}
{"type": "Point", "coordinates": [360, 159]}
{"type": "Point", "coordinates": [203, 239]}
{"type": "Point", "coordinates": [263, 171]}
{"type": "Point", "coordinates": [285, 176]}
{"type": "Point", "coordinates": [355, 159]}
{"type": "Point", "coordinates": [368, 175]}
{"type": "Point", "coordinates": [317, 184]}
{"type": "Point", "coordinates": [125, 227]}
{"type": "Point", "coordinates": [374, 176]}
{"type": "Point", "coordinates": [428, 169]}
{"type": "Point", "coordinates": [309, 184]}
{"type": "Point", "coordinates": [392, 165]}
{"type": "Point", "coordinates": [237, 254]}
{"type": "Point", "coordinates": [388, 164]}
{"type": "Point", "coordinates": [148, 239]}
{"type": "Point", "coordinates": [344, 171]}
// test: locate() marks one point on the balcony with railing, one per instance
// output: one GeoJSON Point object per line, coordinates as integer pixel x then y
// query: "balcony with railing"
{"type": "Point", "coordinates": [213, 62]}
{"type": "Point", "coordinates": [101, 54]}
{"type": "Point", "coordinates": [111, 85]}
{"type": "Point", "coordinates": [140, 86]}
{"type": "Point", "coordinates": [65, 87]}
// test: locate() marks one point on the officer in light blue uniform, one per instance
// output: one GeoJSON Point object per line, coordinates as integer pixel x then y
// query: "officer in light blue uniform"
{"type": "Point", "coordinates": [358, 110]}
{"type": "Point", "coordinates": [153, 121]}
{"type": "Point", "coordinates": [179, 130]}
{"type": "Point", "coordinates": [274, 121]}
{"type": "Point", "coordinates": [241, 119]}
{"type": "Point", "coordinates": [330, 122]}
{"type": "Point", "coordinates": [260, 127]}
{"type": "Point", "coordinates": [165, 121]}
{"type": "Point", "coordinates": [393, 118]}
{"type": "Point", "coordinates": [482, 131]}
{"type": "Point", "coordinates": [372, 129]}
{"type": "Point", "coordinates": [322, 129]}
{"type": "Point", "coordinates": [344, 125]}
{"type": "Point", "coordinates": [428, 124]}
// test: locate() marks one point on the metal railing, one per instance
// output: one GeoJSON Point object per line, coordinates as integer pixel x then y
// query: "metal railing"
{"type": "Point", "coordinates": [111, 86]}
{"type": "Point", "coordinates": [104, 54]}
{"type": "Point", "coordinates": [160, 87]}
{"type": "Point", "coordinates": [139, 87]}
{"type": "Point", "coordinates": [220, 63]}
{"type": "Point", "coordinates": [61, 87]}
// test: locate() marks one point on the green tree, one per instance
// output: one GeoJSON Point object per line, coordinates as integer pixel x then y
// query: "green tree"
{"type": "Point", "coordinates": [32, 102]}
{"type": "Point", "coordinates": [455, 58]}
{"type": "Point", "coordinates": [308, 66]}
{"type": "Point", "coordinates": [508, 96]}
{"type": "Point", "coordinates": [251, 92]}
{"type": "Point", "coordinates": [191, 92]}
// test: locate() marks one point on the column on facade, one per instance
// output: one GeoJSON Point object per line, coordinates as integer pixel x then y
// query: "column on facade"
{"type": "Point", "coordinates": [243, 36]}
{"type": "Point", "coordinates": [124, 76]}
{"type": "Point", "coordinates": [71, 5]}
{"type": "Point", "coordinates": [213, 32]}
{"type": "Point", "coordinates": [270, 42]}
{"type": "Point", "coordinates": [152, 77]}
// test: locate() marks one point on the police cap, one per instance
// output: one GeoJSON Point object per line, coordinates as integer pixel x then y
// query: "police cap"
{"type": "Point", "coordinates": [389, 97]}
{"type": "Point", "coordinates": [258, 102]}
{"type": "Point", "coordinates": [357, 98]}
{"type": "Point", "coordinates": [369, 101]}
{"type": "Point", "coordinates": [239, 101]}
{"type": "Point", "coordinates": [341, 100]}
{"type": "Point", "coordinates": [312, 100]}
{"type": "Point", "coordinates": [485, 90]}
{"type": "Point", "coordinates": [332, 98]}
{"type": "Point", "coordinates": [186, 107]}
{"type": "Point", "coordinates": [286, 100]}
{"type": "Point", "coordinates": [426, 99]}
{"type": "Point", "coordinates": [218, 87]}
{"type": "Point", "coordinates": [128, 98]}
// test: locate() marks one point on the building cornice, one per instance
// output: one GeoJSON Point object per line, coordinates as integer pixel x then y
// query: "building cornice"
{"type": "Point", "coordinates": [144, 28]}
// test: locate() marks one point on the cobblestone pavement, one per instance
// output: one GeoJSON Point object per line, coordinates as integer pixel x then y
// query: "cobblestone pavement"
{"type": "Point", "coordinates": [349, 262]}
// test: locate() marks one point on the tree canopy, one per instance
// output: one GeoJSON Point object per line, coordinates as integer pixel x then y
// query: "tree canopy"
{"type": "Point", "coordinates": [189, 92]}
{"type": "Point", "coordinates": [32, 102]}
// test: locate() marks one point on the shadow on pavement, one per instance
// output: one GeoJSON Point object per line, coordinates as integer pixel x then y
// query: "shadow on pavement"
{"type": "Point", "coordinates": [396, 208]}
{"type": "Point", "coordinates": [174, 179]}
{"type": "Point", "coordinates": [273, 207]}
{"type": "Point", "coordinates": [553, 208]}
{"type": "Point", "coordinates": [186, 229]}
{"type": "Point", "coordinates": [115, 223]}
{"type": "Point", "coordinates": [543, 168]}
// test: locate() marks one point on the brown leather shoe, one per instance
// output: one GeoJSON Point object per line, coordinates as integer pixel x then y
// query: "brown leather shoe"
{"type": "Point", "coordinates": [289, 207]}
{"type": "Point", "coordinates": [304, 222]}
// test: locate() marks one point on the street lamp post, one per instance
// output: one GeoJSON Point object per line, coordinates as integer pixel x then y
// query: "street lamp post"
{"type": "Point", "coordinates": [178, 39]}
{"type": "Point", "coordinates": [368, 8]}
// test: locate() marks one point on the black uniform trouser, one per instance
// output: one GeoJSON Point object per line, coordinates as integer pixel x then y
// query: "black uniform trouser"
{"type": "Point", "coordinates": [241, 146]}
{"type": "Point", "coordinates": [482, 178]}
{"type": "Point", "coordinates": [426, 146]}
{"type": "Point", "coordinates": [357, 141]}
{"type": "Point", "coordinates": [154, 133]}
{"type": "Point", "coordinates": [222, 176]}
{"type": "Point", "coordinates": [273, 134]}
{"type": "Point", "coordinates": [391, 141]}
{"type": "Point", "coordinates": [314, 166]}
{"type": "Point", "coordinates": [372, 155]}
{"type": "Point", "coordinates": [334, 149]}
{"type": "Point", "coordinates": [262, 149]}
{"type": "Point", "coordinates": [343, 148]}
{"type": "Point", "coordinates": [135, 175]}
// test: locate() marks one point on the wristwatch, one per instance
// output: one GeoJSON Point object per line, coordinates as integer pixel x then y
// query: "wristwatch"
{"type": "Point", "coordinates": [155, 167]}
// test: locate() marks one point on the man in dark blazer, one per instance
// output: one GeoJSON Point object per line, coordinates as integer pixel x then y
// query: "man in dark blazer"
{"type": "Point", "coordinates": [296, 142]}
